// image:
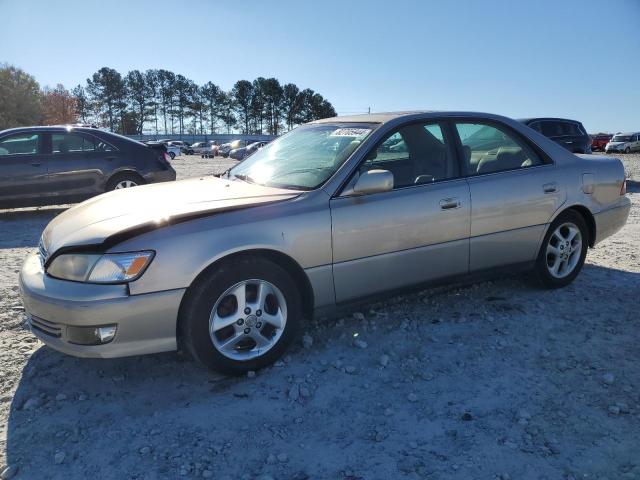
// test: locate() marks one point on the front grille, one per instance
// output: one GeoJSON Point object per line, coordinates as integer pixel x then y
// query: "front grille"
{"type": "Point", "coordinates": [48, 328]}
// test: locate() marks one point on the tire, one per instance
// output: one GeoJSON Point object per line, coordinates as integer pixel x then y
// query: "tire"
{"type": "Point", "coordinates": [124, 180]}
{"type": "Point", "coordinates": [563, 227]}
{"type": "Point", "coordinates": [216, 293]}
{"type": "Point", "coordinates": [627, 150]}
{"type": "Point", "coordinates": [172, 155]}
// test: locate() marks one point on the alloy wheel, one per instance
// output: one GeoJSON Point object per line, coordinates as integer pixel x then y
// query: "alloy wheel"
{"type": "Point", "coordinates": [563, 250]}
{"type": "Point", "coordinates": [125, 184]}
{"type": "Point", "coordinates": [248, 319]}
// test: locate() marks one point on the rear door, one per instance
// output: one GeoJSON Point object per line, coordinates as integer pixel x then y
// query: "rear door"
{"type": "Point", "coordinates": [417, 232]}
{"type": "Point", "coordinates": [23, 169]}
{"type": "Point", "coordinates": [79, 164]}
{"type": "Point", "coordinates": [514, 192]}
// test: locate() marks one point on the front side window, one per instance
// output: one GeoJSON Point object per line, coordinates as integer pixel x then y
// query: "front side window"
{"type": "Point", "coordinates": [489, 149]}
{"type": "Point", "coordinates": [304, 158]}
{"type": "Point", "coordinates": [415, 154]}
{"type": "Point", "coordinates": [19, 144]}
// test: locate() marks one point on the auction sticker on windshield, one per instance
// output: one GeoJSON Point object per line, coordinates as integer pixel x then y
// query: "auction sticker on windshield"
{"type": "Point", "coordinates": [351, 132]}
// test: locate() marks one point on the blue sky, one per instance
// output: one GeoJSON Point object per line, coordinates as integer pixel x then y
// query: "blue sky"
{"type": "Point", "coordinates": [571, 58]}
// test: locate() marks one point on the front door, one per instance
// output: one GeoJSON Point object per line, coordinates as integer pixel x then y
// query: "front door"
{"type": "Point", "coordinates": [514, 193]}
{"type": "Point", "coordinates": [23, 169]}
{"type": "Point", "coordinates": [417, 232]}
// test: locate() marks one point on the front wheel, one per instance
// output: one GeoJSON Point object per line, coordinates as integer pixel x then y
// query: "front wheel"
{"type": "Point", "coordinates": [172, 155]}
{"type": "Point", "coordinates": [241, 316]}
{"type": "Point", "coordinates": [563, 250]}
{"type": "Point", "coordinates": [627, 150]}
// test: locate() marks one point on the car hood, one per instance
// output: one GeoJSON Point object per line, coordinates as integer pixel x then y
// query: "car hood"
{"type": "Point", "coordinates": [109, 215]}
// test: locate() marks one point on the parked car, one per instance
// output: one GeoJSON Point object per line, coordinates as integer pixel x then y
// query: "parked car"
{"type": "Point", "coordinates": [227, 268]}
{"type": "Point", "coordinates": [599, 141]}
{"type": "Point", "coordinates": [55, 165]}
{"type": "Point", "coordinates": [199, 148]}
{"type": "Point", "coordinates": [568, 133]}
{"type": "Point", "coordinates": [624, 142]}
{"type": "Point", "coordinates": [183, 147]}
{"type": "Point", "coordinates": [242, 152]}
{"type": "Point", "coordinates": [225, 148]}
{"type": "Point", "coordinates": [212, 149]}
{"type": "Point", "coordinates": [173, 150]}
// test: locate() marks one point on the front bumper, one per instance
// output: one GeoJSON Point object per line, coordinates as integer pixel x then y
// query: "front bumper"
{"type": "Point", "coordinates": [610, 221]}
{"type": "Point", "coordinates": [145, 323]}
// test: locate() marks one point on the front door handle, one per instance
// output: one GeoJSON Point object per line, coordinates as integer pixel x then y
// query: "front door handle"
{"type": "Point", "coordinates": [449, 203]}
{"type": "Point", "coordinates": [550, 187]}
{"type": "Point", "coordinates": [36, 164]}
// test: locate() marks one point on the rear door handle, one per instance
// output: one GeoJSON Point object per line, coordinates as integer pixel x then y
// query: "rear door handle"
{"type": "Point", "coordinates": [449, 203]}
{"type": "Point", "coordinates": [549, 187]}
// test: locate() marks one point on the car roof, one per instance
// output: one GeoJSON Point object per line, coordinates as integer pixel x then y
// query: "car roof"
{"type": "Point", "coordinates": [556, 119]}
{"type": "Point", "coordinates": [386, 117]}
{"type": "Point", "coordinates": [627, 133]}
{"type": "Point", "coordinates": [52, 127]}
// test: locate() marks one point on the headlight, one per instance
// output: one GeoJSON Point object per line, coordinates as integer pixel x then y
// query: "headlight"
{"type": "Point", "coordinates": [108, 268]}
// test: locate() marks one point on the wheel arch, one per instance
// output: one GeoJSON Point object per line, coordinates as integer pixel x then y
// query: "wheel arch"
{"type": "Point", "coordinates": [585, 213]}
{"type": "Point", "coordinates": [288, 263]}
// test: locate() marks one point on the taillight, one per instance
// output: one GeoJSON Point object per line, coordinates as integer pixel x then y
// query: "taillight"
{"type": "Point", "coordinates": [623, 188]}
{"type": "Point", "coordinates": [166, 157]}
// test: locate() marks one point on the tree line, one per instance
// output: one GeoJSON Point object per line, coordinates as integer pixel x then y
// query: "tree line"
{"type": "Point", "coordinates": [161, 102]}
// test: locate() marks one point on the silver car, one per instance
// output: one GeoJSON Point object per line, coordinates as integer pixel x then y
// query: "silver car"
{"type": "Point", "coordinates": [229, 268]}
{"type": "Point", "coordinates": [624, 143]}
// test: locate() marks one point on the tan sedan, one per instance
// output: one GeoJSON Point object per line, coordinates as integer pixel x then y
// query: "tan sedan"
{"type": "Point", "coordinates": [336, 210]}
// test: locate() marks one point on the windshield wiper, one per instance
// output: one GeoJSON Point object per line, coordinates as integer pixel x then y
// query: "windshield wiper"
{"type": "Point", "coordinates": [244, 178]}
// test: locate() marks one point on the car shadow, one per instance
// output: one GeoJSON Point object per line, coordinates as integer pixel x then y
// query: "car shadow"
{"type": "Point", "coordinates": [22, 228]}
{"type": "Point", "coordinates": [109, 409]}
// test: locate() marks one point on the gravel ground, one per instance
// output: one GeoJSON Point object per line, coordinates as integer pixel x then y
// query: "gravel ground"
{"type": "Point", "coordinates": [497, 380]}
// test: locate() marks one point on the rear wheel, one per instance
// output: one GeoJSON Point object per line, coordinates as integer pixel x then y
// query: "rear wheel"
{"type": "Point", "coordinates": [563, 250]}
{"type": "Point", "coordinates": [124, 180]}
{"type": "Point", "coordinates": [241, 316]}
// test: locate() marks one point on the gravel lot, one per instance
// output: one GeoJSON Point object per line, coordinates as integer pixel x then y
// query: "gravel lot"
{"type": "Point", "coordinates": [498, 380]}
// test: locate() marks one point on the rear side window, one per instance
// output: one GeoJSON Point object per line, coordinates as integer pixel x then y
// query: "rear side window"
{"type": "Point", "coordinates": [19, 144]}
{"type": "Point", "coordinates": [62, 143]}
{"type": "Point", "coordinates": [490, 149]}
{"type": "Point", "coordinates": [71, 143]}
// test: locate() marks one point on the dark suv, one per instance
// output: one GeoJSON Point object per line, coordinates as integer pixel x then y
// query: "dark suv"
{"type": "Point", "coordinates": [54, 165]}
{"type": "Point", "coordinates": [568, 133]}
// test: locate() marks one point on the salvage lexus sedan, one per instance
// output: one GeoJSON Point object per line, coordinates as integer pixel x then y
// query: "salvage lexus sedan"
{"type": "Point", "coordinates": [227, 268]}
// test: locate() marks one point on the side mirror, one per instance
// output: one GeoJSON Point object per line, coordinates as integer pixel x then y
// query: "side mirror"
{"type": "Point", "coordinates": [373, 181]}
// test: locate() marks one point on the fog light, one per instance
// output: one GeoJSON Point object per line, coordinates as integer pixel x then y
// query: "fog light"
{"type": "Point", "coordinates": [91, 335]}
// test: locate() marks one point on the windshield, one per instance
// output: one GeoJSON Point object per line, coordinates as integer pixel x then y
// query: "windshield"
{"type": "Point", "coordinates": [621, 138]}
{"type": "Point", "coordinates": [304, 158]}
